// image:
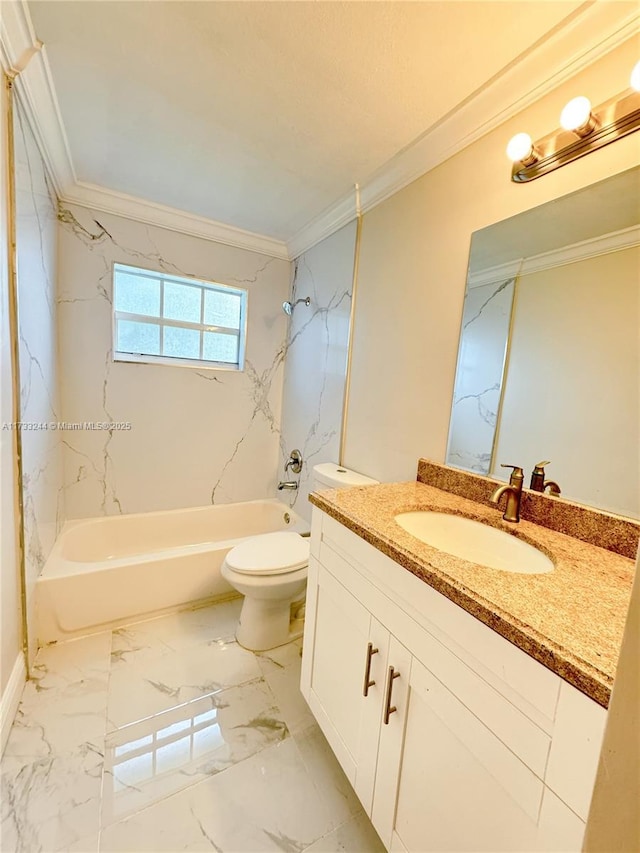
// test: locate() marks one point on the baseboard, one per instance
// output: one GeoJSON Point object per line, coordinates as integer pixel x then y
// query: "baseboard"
{"type": "Point", "coordinates": [11, 699]}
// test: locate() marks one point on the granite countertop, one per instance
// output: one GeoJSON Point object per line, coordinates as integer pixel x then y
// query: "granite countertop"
{"type": "Point", "coordinates": [571, 619]}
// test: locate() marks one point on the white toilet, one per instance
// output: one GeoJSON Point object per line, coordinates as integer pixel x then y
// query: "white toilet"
{"type": "Point", "coordinates": [271, 572]}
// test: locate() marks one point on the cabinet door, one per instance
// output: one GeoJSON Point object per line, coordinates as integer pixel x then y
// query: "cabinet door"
{"type": "Point", "coordinates": [346, 642]}
{"type": "Point", "coordinates": [460, 788]}
{"type": "Point", "coordinates": [392, 729]}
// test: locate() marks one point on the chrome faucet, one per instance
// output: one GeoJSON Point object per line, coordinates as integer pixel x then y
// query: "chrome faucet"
{"type": "Point", "coordinates": [513, 492]}
{"type": "Point", "coordinates": [538, 482]}
{"type": "Point", "coordinates": [289, 485]}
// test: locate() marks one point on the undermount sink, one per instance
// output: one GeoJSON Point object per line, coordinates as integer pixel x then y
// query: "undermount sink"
{"type": "Point", "coordinates": [476, 542]}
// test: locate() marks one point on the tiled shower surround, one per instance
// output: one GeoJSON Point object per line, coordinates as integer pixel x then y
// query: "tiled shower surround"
{"type": "Point", "coordinates": [36, 235]}
{"type": "Point", "coordinates": [197, 436]}
{"type": "Point", "coordinates": [167, 735]}
{"type": "Point", "coordinates": [316, 358]}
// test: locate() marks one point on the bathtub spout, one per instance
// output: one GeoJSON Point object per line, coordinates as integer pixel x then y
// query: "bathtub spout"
{"type": "Point", "coordinates": [289, 485]}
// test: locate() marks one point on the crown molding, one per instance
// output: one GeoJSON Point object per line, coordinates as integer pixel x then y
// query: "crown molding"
{"type": "Point", "coordinates": [151, 213]}
{"type": "Point", "coordinates": [604, 244]}
{"type": "Point", "coordinates": [20, 51]}
{"type": "Point", "coordinates": [590, 34]}
{"type": "Point", "coordinates": [595, 29]}
{"type": "Point", "coordinates": [24, 56]}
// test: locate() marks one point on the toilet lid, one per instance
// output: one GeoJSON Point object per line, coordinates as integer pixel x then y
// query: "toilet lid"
{"type": "Point", "coordinates": [270, 554]}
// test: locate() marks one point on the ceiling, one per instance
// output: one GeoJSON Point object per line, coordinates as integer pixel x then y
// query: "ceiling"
{"type": "Point", "coordinates": [262, 115]}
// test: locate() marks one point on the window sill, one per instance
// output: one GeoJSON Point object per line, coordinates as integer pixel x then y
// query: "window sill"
{"type": "Point", "coordinates": [176, 362]}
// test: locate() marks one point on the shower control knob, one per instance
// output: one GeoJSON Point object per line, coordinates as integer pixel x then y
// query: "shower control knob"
{"type": "Point", "coordinates": [294, 463]}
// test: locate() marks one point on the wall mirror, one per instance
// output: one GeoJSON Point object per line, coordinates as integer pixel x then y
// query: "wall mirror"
{"type": "Point", "coordinates": [549, 356]}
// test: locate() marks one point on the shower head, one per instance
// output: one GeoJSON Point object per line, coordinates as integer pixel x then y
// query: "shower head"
{"type": "Point", "coordinates": [288, 307]}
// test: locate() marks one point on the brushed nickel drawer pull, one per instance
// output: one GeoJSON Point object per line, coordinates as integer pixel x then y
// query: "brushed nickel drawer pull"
{"type": "Point", "coordinates": [389, 709]}
{"type": "Point", "coordinates": [368, 682]}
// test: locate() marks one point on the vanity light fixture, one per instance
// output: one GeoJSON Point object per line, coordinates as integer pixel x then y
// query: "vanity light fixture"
{"type": "Point", "coordinates": [582, 130]}
{"type": "Point", "coordinates": [577, 116]}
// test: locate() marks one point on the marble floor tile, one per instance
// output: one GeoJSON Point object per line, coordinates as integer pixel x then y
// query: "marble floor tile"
{"type": "Point", "coordinates": [357, 835]}
{"type": "Point", "coordinates": [139, 689]}
{"type": "Point", "coordinates": [278, 659]}
{"type": "Point", "coordinates": [148, 761]}
{"type": "Point", "coordinates": [285, 683]}
{"type": "Point", "coordinates": [176, 631]}
{"type": "Point", "coordinates": [169, 736]}
{"type": "Point", "coordinates": [64, 704]}
{"type": "Point", "coordinates": [268, 802]}
{"type": "Point", "coordinates": [51, 804]}
{"type": "Point", "coordinates": [323, 767]}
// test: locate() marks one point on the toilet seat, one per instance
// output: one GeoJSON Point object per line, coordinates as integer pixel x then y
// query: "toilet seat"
{"type": "Point", "coordinates": [270, 554]}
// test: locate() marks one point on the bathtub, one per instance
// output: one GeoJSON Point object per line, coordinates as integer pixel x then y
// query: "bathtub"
{"type": "Point", "coordinates": [105, 572]}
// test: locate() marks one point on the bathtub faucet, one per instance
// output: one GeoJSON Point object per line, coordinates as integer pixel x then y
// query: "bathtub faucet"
{"type": "Point", "coordinates": [289, 485]}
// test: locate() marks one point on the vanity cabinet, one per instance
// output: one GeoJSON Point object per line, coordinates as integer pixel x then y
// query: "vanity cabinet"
{"type": "Point", "coordinates": [462, 742]}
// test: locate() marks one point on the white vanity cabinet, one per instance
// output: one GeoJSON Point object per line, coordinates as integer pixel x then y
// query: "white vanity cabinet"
{"type": "Point", "coordinates": [462, 742]}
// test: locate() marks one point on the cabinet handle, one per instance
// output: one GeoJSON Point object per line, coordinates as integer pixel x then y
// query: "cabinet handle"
{"type": "Point", "coordinates": [388, 708]}
{"type": "Point", "coordinates": [368, 682]}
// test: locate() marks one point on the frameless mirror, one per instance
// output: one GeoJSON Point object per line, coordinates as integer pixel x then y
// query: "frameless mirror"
{"type": "Point", "coordinates": [549, 356]}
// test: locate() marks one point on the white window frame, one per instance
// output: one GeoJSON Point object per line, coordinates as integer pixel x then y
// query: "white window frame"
{"type": "Point", "coordinates": [162, 322]}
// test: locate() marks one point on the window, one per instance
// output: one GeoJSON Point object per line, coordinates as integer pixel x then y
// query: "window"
{"type": "Point", "coordinates": [164, 319]}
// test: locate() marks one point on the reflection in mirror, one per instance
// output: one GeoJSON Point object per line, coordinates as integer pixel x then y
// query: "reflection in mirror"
{"type": "Point", "coordinates": [549, 357]}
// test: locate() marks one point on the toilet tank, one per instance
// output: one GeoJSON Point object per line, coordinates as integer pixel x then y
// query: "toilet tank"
{"type": "Point", "coordinates": [328, 475]}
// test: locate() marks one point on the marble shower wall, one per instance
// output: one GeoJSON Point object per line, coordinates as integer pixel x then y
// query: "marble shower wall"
{"type": "Point", "coordinates": [36, 236]}
{"type": "Point", "coordinates": [197, 436]}
{"type": "Point", "coordinates": [483, 341]}
{"type": "Point", "coordinates": [316, 359]}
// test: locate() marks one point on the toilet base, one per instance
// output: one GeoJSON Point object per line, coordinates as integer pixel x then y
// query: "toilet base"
{"type": "Point", "coordinates": [266, 624]}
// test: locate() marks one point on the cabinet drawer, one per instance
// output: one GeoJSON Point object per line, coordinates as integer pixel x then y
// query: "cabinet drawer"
{"type": "Point", "coordinates": [519, 678]}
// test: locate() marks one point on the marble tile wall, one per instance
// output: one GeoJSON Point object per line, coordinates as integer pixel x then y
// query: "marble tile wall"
{"type": "Point", "coordinates": [197, 436]}
{"type": "Point", "coordinates": [483, 341]}
{"type": "Point", "coordinates": [10, 620]}
{"type": "Point", "coordinates": [316, 359]}
{"type": "Point", "coordinates": [36, 233]}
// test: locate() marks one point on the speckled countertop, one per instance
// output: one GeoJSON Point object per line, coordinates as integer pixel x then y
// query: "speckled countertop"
{"type": "Point", "coordinates": [571, 619]}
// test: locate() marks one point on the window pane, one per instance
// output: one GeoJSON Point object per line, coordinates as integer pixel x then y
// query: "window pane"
{"type": "Point", "coordinates": [181, 302]}
{"type": "Point", "coordinates": [221, 309]}
{"type": "Point", "coordinates": [143, 338]}
{"type": "Point", "coordinates": [137, 294]}
{"type": "Point", "coordinates": [219, 347]}
{"type": "Point", "coordinates": [181, 343]}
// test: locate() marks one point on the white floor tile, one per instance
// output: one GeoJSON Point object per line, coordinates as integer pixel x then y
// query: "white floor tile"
{"type": "Point", "coordinates": [64, 705]}
{"type": "Point", "coordinates": [151, 760]}
{"type": "Point", "coordinates": [50, 804]}
{"type": "Point", "coordinates": [323, 767]}
{"type": "Point", "coordinates": [195, 733]}
{"type": "Point", "coordinates": [268, 802]}
{"type": "Point", "coordinates": [355, 836]}
{"type": "Point", "coordinates": [139, 689]}
{"type": "Point", "coordinates": [278, 659]}
{"type": "Point", "coordinates": [285, 683]}
{"type": "Point", "coordinates": [176, 632]}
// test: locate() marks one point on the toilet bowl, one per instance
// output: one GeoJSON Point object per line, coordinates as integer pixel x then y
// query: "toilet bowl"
{"type": "Point", "coordinates": [271, 572]}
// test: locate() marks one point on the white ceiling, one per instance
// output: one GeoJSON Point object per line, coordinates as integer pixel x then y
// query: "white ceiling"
{"type": "Point", "coordinates": [262, 115]}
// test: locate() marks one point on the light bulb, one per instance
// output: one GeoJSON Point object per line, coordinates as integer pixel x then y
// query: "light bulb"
{"type": "Point", "coordinates": [634, 82]}
{"type": "Point", "coordinates": [576, 116]}
{"type": "Point", "coordinates": [520, 149]}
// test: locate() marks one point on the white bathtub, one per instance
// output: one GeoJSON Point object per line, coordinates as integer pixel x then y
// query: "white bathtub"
{"type": "Point", "coordinates": [104, 572]}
